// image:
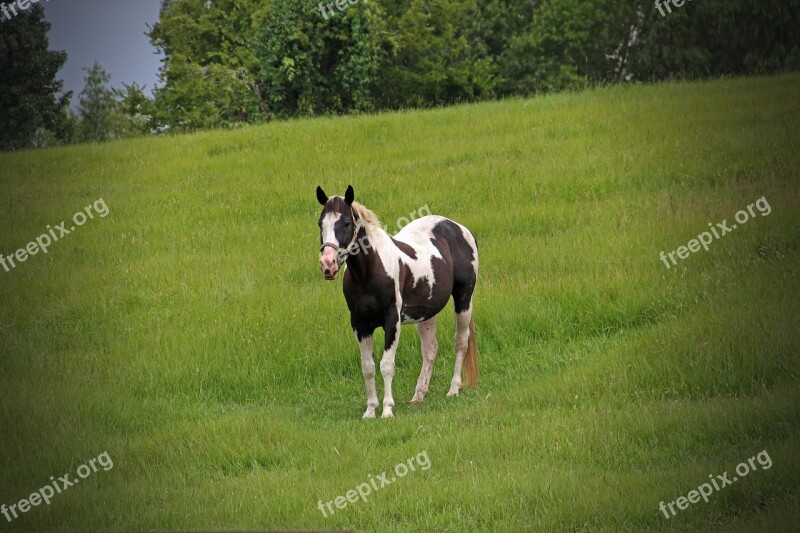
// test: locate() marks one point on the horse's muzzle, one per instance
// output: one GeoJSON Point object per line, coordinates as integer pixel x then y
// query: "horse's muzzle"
{"type": "Point", "coordinates": [329, 264]}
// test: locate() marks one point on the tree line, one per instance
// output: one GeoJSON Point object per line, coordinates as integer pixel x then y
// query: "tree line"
{"type": "Point", "coordinates": [229, 62]}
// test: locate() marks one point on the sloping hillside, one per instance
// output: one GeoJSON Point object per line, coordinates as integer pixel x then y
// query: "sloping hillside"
{"type": "Point", "coordinates": [188, 331]}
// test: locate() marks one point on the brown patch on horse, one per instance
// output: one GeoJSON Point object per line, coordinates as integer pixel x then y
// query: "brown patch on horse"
{"type": "Point", "coordinates": [405, 248]}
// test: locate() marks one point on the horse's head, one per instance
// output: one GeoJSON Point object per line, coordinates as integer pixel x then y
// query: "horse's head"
{"type": "Point", "coordinates": [337, 230]}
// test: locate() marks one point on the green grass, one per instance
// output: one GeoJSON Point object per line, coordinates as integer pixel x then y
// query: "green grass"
{"type": "Point", "coordinates": [190, 334]}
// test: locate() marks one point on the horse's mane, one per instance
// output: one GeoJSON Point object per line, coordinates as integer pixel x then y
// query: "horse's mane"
{"type": "Point", "coordinates": [366, 217]}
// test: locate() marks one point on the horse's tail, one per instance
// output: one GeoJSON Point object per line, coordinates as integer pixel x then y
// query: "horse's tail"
{"type": "Point", "coordinates": [470, 377]}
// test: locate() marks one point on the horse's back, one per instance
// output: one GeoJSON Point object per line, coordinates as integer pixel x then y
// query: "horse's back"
{"type": "Point", "coordinates": [441, 233]}
{"type": "Point", "coordinates": [423, 228]}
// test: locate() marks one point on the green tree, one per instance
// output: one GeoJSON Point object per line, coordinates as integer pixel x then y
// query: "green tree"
{"type": "Point", "coordinates": [195, 96]}
{"type": "Point", "coordinates": [135, 110]}
{"type": "Point", "coordinates": [209, 73]}
{"type": "Point", "coordinates": [315, 61]}
{"type": "Point", "coordinates": [717, 37]}
{"type": "Point", "coordinates": [430, 55]}
{"type": "Point", "coordinates": [64, 129]}
{"type": "Point", "coordinates": [229, 61]}
{"type": "Point", "coordinates": [97, 106]}
{"type": "Point", "coordinates": [28, 85]}
{"type": "Point", "coordinates": [569, 44]}
{"type": "Point", "coordinates": [67, 129]}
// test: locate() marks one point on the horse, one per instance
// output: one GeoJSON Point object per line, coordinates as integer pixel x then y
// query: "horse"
{"type": "Point", "coordinates": [407, 278]}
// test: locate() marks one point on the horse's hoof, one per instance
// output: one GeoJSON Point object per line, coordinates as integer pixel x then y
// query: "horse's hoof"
{"type": "Point", "coordinates": [418, 398]}
{"type": "Point", "coordinates": [370, 413]}
{"type": "Point", "coordinates": [453, 392]}
{"type": "Point", "coordinates": [387, 413]}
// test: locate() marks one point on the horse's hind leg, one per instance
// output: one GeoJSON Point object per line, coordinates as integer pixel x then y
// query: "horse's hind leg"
{"type": "Point", "coordinates": [463, 320]}
{"type": "Point", "coordinates": [427, 337]}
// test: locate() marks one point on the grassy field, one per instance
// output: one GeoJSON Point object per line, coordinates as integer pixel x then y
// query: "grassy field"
{"type": "Point", "coordinates": [190, 335]}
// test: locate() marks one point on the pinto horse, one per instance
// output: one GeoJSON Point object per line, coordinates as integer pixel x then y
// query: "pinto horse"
{"type": "Point", "coordinates": [405, 279]}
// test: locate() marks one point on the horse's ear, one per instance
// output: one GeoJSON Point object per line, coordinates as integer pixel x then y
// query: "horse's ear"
{"type": "Point", "coordinates": [322, 198]}
{"type": "Point", "coordinates": [349, 195]}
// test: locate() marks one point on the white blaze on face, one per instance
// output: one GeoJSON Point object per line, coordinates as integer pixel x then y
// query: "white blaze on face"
{"type": "Point", "coordinates": [328, 257]}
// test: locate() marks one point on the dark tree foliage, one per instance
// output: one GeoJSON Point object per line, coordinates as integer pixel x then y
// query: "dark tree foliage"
{"type": "Point", "coordinates": [316, 60]}
{"type": "Point", "coordinates": [429, 58]}
{"type": "Point", "coordinates": [239, 61]}
{"type": "Point", "coordinates": [717, 37]}
{"type": "Point", "coordinates": [134, 110]}
{"type": "Point", "coordinates": [28, 87]}
{"type": "Point", "coordinates": [566, 44]}
{"type": "Point", "coordinates": [209, 73]}
{"type": "Point", "coordinates": [245, 60]}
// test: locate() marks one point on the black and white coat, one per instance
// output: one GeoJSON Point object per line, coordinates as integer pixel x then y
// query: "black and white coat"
{"type": "Point", "coordinates": [401, 279]}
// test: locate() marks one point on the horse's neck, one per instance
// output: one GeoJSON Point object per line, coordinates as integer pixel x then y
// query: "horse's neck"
{"type": "Point", "coordinates": [367, 262]}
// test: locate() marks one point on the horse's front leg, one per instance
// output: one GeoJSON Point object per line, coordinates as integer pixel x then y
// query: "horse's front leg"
{"type": "Point", "coordinates": [368, 369]}
{"type": "Point", "coordinates": [391, 330]}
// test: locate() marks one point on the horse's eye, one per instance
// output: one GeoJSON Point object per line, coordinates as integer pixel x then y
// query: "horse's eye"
{"type": "Point", "coordinates": [347, 223]}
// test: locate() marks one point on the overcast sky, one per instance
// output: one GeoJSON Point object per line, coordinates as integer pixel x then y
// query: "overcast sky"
{"type": "Point", "coordinates": [110, 32]}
